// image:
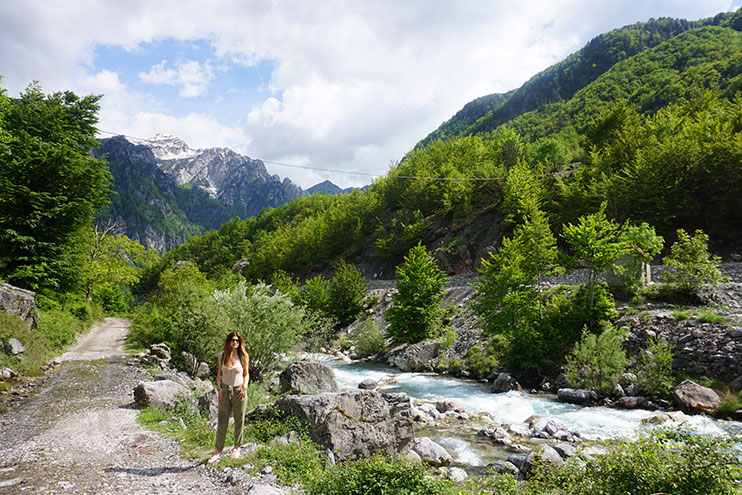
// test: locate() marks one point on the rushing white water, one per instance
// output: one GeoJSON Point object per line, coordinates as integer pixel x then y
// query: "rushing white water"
{"type": "Point", "coordinates": [508, 408]}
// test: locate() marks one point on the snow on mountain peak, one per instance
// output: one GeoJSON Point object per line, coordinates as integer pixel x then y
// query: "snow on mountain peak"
{"type": "Point", "coordinates": [169, 147]}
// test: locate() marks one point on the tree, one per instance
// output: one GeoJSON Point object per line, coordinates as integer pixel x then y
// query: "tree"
{"type": "Point", "coordinates": [269, 322]}
{"type": "Point", "coordinates": [416, 313]}
{"type": "Point", "coordinates": [597, 244]}
{"type": "Point", "coordinates": [113, 260]}
{"type": "Point", "coordinates": [347, 293]}
{"type": "Point", "coordinates": [50, 186]}
{"type": "Point", "coordinates": [643, 245]}
{"type": "Point", "coordinates": [507, 300]}
{"type": "Point", "coordinates": [693, 265]}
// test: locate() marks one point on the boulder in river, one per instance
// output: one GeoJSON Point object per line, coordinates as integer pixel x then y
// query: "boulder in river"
{"type": "Point", "coordinates": [577, 396]}
{"type": "Point", "coordinates": [692, 397]}
{"type": "Point", "coordinates": [355, 423]}
{"type": "Point", "coordinates": [505, 383]}
{"type": "Point", "coordinates": [415, 357]}
{"type": "Point", "coordinates": [431, 452]}
{"type": "Point", "coordinates": [308, 377]}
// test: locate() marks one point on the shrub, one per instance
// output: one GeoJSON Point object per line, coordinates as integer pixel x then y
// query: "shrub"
{"type": "Point", "coordinates": [680, 462]}
{"type": "Point", "coordinates": [480, 360]}
{"type": "Point", "coordinates": [654, 368]}
{"type": "Point", "coordinates": [597, 360]}
{"type": "Point", "coordinates": [376, 475]}
{"type": "Point", "coordinates": [731, 402]}
{"type": "Point", "coordinates": [368, 339]}
{"type": "Point", "coordinates": [706, 317]}
{"type": "Point", "coordinates": [269, 322]}
{"type": "Point", "coordinates": [693, 266]}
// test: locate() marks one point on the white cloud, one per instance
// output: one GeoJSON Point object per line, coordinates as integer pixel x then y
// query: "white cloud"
{"type": "Point", "coordinates": [191, 75]}
{"type": "Point", "coordinates": [354, 86]}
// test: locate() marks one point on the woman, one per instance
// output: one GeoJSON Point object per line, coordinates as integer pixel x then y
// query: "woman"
{"type": "Point", "coordinates": [232, 382]}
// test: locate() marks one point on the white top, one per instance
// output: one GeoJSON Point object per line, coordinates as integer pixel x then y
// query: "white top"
{"type": "Point", "coordinates": [232, 376]}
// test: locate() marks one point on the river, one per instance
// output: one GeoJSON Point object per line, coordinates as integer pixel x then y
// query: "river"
{"type": "Point", "coordinates": [513, 408]}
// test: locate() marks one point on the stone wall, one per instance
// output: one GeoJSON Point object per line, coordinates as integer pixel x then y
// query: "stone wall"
{"type": "Point", "coordinates": [700, 349]}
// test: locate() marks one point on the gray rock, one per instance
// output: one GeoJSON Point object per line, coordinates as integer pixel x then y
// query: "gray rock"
{"type": "Point", "coordinates": [505, 383]}
{"type": "Point", "coordinates": [8, 373]}
{"type": "Point", "coordinates": [415, 357]}
{"type": "Point", "coordinates": [431, 452]}
{"type": "Point", "coordinates": [203, 370]}
{"type": "Point", "coordinates": [551, 455]}
{"type": "Point", "coordinates": [161, 351]}
{"type": "Point", "coordinates": [290, 437]}
{"type": "Point", "coordinates": [736, 384]}
{"type": "Point", "coordinates": [308, 377]}
{"type": "Point", "coordinates": [565, 450]}
{"type": "Point", "coordinates": [208, 405]}
{"type": "Point", "coordinates": [181, 378]}
{"type": "Point", "coordinates": [267, 490]}
{"type": "Point", "coordinates": [159, 394]}
{"type": "Point", "coordinates": [504, 467]}
{"type": "Point", "coordinates": [355, 423]}
{"type": "Point", "coordinates": [14, 346]}
{"type": "Point", "coordinates": [448, 405]}
{"type": "Point", "coordinates": [691, 397]}
{"type": "Point", "coordinates": [19, 302]}
{"type": "Point", "coordinates": [577, 396]}
{"type": "Point", "coordinates": [368, 384]}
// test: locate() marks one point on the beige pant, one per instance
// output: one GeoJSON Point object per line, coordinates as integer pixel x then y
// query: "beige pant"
{"type": "Point", "coordinates": [230, 404]}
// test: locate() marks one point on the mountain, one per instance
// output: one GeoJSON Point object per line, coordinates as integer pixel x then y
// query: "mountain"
{"type": "Point", "coordinates": [645, 121]}
{"type": "Point", "coordinates": [328, 187]}
{"type": "Point", "coordinates": [167, 191]}
{"type": "Point", "coordinates": [563, 80]}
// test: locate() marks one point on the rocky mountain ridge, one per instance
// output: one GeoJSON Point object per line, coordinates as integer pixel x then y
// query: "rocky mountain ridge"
{"type": "Point", "coordinates": [166, 191]}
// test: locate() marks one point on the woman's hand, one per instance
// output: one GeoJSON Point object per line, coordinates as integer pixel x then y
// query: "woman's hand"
{"type": "Point", "coordinates": [242, 394]}
{"type": "Point", "coordinates": [221, 398]}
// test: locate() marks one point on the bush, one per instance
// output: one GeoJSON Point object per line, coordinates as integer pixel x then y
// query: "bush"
{"type": "Point", "coordinates": [680, 462]}
{"type": "Point", "coordinates": [376, 475]}
{"type": "Point", "coordinates": [368, 339]}
{"type": "Point", "coordinates": [598, 361]}
{"type": "Point", "coordinates": [479, 361]}
{"type": "Point", "coordinates": [693, 266]}
{"type": "Point", "coordinates": [654, 376]}
{"type": "Point", "coordinates": [269, 322]}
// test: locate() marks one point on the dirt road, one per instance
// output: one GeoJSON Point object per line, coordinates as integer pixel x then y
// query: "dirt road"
{"type": "Point", "coordinates": [78, 433]}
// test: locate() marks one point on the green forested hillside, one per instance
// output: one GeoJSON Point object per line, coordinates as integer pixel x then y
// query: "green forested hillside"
{"type": "Point", "coordinates": [561, 81]}
{"type": "Point", "coordinates": [657, 136]}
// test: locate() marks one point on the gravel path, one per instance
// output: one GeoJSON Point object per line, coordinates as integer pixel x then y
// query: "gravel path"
{"type": "Point", "coordinates": [78, 433]}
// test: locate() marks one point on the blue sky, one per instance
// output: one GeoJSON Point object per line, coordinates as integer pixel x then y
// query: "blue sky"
{"type": "Point", "coordinates": [335, 84]}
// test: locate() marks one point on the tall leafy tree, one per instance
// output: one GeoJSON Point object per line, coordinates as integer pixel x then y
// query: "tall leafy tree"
{"type": "Point", "coordinates": [596, 243]}
{"type": "Point", "coordinates": [416, 314]}
{"type": "Point", "coordinates": [113, 260]}
{"type": "Point", "coordinates": [347, 293]}
{"type": "Point", "coordinates": [50, 187]}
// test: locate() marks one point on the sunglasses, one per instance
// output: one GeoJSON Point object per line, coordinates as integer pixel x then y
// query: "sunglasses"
{"type": "Point", "coordinates": [235, 340]}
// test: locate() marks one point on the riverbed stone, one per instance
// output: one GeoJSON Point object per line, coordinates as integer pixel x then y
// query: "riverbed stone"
{"type": "Point", "coordinates": [368, 384]}
{"type": "Point", "coordinates": [692, 397]}
{"type": "Point", "coordinates": [448, 405]}
{"type": "Point", "coordinates": [431, 452]}
{"type": "Point", "coordinates": [577, 396]}
{"type": "Point", "coordinates": [505, 383]}
{"type": "Point", "coordinates": [355, 423]}
{"type": "Point", "coordinates": [504, 467]}
{"type": "Point", "coordinates": [308, 377]}
{"type": "Point", "coordinates": [415, 357]}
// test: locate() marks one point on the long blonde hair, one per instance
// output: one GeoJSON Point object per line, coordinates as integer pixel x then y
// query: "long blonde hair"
{"type": "Point", "coordinates": [241, 352]}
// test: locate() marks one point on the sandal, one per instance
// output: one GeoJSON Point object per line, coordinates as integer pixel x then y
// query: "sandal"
{"type": "Point", "coordinates": [214, 456]}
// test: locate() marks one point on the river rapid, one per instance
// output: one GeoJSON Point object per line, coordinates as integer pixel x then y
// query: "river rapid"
{"type": "Point", "coordinates": [512, 408]}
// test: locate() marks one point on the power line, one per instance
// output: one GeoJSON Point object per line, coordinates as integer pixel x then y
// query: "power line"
{"type": "Point", "coordinates": [305, 167]}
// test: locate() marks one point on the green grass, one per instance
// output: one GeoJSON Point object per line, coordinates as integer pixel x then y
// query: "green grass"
{"type": "Point", "coordinates": [707, 317]}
